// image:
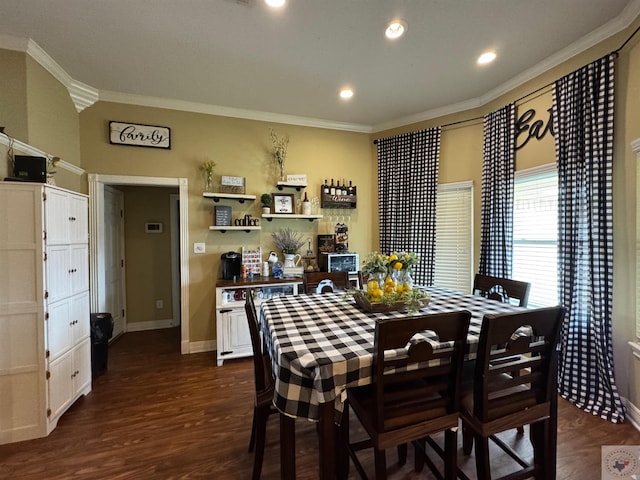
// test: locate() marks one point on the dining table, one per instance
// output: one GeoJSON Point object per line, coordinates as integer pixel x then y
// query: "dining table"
{"type": "Point", "coordinates": [322, 344]}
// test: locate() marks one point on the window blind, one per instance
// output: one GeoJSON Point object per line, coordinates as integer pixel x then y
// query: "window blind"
{"type": "Point", "coordinates": [454, 236]}
{"type": "Point", "coordinates": [535, 233]}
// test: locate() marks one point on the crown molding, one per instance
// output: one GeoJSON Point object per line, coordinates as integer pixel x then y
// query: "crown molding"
{"type": "Point", "coordinates": [81, 94]}
{"type": "Point", "coordinates": [141, 100]}
{"type": "Point", "coordinates": [616, 25]}
{"type": "Point", "coordinates": [84, 95]}
{"type": "Point", "coordinates": [26, 149]}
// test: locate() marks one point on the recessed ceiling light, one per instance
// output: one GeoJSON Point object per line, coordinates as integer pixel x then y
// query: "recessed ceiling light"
{"type": "Point", "coordinates": [486, 57]}
{"type": "Point", "coordinates": [346, 93]}
{"type": "Point", "coordinates": [275, 3]}
{"type": "Point", "coordinates": [395, 29]}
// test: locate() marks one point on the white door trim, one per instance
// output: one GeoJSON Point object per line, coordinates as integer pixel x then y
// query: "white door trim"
{"type": "Point", "coordinates": [96, 239]}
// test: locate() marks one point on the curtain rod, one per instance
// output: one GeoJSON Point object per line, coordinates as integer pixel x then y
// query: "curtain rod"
{"type": "Point", "coordinates": [614, 52]}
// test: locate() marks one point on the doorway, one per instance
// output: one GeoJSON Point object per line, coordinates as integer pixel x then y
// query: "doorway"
{"type": "Point", "coordinates": [97, 237]}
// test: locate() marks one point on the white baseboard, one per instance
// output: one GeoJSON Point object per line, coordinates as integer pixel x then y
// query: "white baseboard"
{"type": "Point", "coordinates": [633, 414]}
{"type": "Point", "coordinates": [150, 325]}
{"type": "Point", "coordinates": [203, 346]}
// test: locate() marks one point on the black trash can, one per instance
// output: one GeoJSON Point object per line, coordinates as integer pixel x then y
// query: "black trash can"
{"type": "Point", "coordinates": [101, 332]}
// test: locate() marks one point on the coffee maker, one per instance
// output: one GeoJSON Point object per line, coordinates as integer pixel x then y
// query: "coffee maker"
{"type": "Point", "coordinates": [230, 265]}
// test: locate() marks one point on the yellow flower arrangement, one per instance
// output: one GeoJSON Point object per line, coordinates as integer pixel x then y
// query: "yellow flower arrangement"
{"type": "Point", "coordinates": [207, 169]}
{"type": "Point", "coordinates": [389, 282]}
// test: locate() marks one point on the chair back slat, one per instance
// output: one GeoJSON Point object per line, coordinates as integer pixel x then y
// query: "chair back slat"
{"type": "Point", "coordinates": [501, 289]}
{"type": "Point", "coordinates": [414, 376]}
{"type": "Point", "coordinates": [495, 392]}
{"type": "Point", "coordinates": [323, 282]}
{"type": "Point", "coordinates": [262, 370]}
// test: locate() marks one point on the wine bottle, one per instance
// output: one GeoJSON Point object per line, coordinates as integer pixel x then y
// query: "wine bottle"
{"type": "Point", "coordinates": [332, 188]}
{"type": "Point", "coordinates": [306, 205]}
{"type": "Point", "coordinates": [350, 189]}
{"type": "Point", "coordinates": [344, 187]}
{"type": "Point", "coordinates": [325, 187]}
{"type": "Point", "coordinates": [338, 189]}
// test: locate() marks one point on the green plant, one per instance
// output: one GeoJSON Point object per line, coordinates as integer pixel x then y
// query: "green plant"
{"type": "Point", "coordinates": [288, 241]}
{"type": "Point", "coordinates": [265, 198]}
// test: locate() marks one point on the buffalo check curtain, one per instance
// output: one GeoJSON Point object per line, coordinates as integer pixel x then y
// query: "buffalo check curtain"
{"type": "Point", "coordinates": [498, 170]}
{"type": "Point", "coordinates": [583, 120]}
{"type": "Point", "coordinates": [407, 188]}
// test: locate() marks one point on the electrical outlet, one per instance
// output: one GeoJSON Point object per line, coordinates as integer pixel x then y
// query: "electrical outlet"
{"type": "Point", "coordinates": [159, 304]}
{"type": "Point", "coordinates": [199, 247]}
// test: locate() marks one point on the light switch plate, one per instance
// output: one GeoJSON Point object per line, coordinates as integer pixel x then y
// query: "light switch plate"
{"type": "Point", "coordinates": [199, 247]}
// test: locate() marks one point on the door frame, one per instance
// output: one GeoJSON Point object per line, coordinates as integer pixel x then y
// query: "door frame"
{"type": "Point", "coordinates": [96, 240]}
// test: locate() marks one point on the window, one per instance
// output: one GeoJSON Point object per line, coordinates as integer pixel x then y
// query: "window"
{"type": "Point", "coordinates": [535, 233]}
{"type": "Point", "coordinates": [454, 236]}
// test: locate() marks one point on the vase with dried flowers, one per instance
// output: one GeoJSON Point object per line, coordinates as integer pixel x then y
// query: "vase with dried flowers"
{"type": "Point", "coordinates": [52, 162]}
{"type": "Point", "coordinates": [207, 171]}
{"type": "Point", "coordinates": [279, 151]}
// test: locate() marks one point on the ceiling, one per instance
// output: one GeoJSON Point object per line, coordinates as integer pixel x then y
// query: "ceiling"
{"type": "Point", "coordinates": [245, 59]}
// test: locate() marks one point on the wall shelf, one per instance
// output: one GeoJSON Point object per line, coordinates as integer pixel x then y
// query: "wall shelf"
{"type": "Point", "coordinates": [297, 186]}
{"type": "Point", "coordinates": [224, 228]}
{"type": "Point", "coordinates": [271, 216]}
{"type": "Point", "coordinates": [338, 201]}
{"type": "Point", "coordinates": [216, 196]}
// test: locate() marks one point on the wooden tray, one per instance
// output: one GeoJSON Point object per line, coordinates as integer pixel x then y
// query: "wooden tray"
{"type": "Point", "coordinates": [364, 303]}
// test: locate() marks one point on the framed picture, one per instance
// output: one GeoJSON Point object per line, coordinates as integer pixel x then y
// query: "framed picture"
{"type": "Point", "coordinates": [137, 135]}
{"type": "Point", "coordinates": [326, 243]}
{"type": "Point", "coordinates": [282, 203]}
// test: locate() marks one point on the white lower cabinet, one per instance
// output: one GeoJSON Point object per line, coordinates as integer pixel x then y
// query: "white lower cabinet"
{"type": "Point", "coordinates": [232, 329]}
{"type": "Point", "coordinates": [69, 377]}
{"type": "Point", "coordinates": [45, 346]}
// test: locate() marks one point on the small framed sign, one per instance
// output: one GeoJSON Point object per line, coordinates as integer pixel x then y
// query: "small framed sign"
{"type": "Point", "coordinates": [326, 243]}
{"type": "Point", "coordinates": [282, 203]}
{"type": "Point", "coordinates": [136, 135]}
{"type": "Point", "coordinates": [222, 215]}
{"type": "Point", "coordinates": [229, 184]}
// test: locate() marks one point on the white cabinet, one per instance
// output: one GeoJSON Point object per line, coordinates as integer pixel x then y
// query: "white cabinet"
{"type": "Point", "coordinates": [45, 348]}
{"type": "Point", "coordinates": [232, 329]}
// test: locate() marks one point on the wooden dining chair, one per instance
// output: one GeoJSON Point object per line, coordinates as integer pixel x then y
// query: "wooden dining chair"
{"type": "Point", "coordinates": [264, 388]}
{"type": "Point", "coordinates": [323, 282]}
{"type": "Point", "coordinates": [499, 401]}
{"type": "Point", "coordinates": [501, 289]}
{"type": "Point", "coordinates": [414, 391]}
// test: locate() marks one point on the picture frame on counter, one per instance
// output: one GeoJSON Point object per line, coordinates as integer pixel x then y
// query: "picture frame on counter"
{"type": "Point", "coordinates": [282, 203]}
{"type": "Point", "coordinates": [326, 243]}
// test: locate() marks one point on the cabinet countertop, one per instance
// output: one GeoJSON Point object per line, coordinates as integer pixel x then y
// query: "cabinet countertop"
{"type": "Point", "coordinates": [256, 280]}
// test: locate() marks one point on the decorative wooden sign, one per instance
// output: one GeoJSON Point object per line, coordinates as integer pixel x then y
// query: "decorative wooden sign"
{"type": "Point", "coordinates": [537, 129]}
{"type": "Point", "coordinates": [229, 184]}
{"type": "Point", "coordinates": [136, 135]}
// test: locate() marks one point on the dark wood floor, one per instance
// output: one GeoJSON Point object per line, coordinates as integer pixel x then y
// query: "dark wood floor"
{"type": "Point", "coordinates": [157, 414]}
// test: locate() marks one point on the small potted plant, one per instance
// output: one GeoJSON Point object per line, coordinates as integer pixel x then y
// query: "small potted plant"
{"type": "Point", "coordinates": [266, 202]}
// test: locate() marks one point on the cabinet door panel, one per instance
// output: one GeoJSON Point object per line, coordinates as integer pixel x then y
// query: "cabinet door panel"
{"type": "Point", "coordinates": [58, 273]}
{"type": "Point", "coordinates": [239, 336]}
{"type": "Point", "coordinates": [82, 367]}
{"type": "Point", "coordinates": [59, 329]}
{"type": "Point", "coordinates": [79, 219]}
{"type": "Point", "coordinates": [79, 267]}
{"type": "Point", "coordinates": [60, 383]}
{"type": "Point", "coordinates": [80, 317]}
{"type": "Point", "coordinates": [57, 217]}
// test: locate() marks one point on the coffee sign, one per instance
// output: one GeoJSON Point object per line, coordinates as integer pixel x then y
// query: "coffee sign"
{"type": "Point", "coordinates": [139, 135]}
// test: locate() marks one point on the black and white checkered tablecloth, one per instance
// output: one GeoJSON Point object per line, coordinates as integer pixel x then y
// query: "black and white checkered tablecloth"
{"type": "Point", "coordinates": [322, 344]}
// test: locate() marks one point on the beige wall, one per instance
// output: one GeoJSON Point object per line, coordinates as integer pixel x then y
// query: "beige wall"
{"type": "Point", "coordinates": [147, 255]}
{"type": "Point", "coordinates": [241, 148]}
{"type": "Point", "coordinates": [13, 94]}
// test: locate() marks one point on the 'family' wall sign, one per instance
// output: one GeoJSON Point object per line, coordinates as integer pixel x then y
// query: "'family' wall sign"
{"type": "Point", "coordinates": [139, 135]}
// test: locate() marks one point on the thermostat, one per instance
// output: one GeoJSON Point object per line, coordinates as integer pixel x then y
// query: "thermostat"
{"type": "Point", "coordinates": [153, 227]}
